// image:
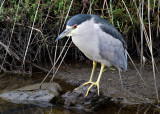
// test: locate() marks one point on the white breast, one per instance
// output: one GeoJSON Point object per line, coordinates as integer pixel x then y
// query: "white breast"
{"type": "Point", "coordinates": [86, 39]}
{"type": "Point", "coordinates": [83, 40]}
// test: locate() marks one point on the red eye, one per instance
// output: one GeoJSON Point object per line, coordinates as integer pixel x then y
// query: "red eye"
{"type": "Point", "coordinates": [75, 26]}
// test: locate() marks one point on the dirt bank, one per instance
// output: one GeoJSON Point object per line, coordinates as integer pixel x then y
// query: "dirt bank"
{"type": "Point", "coordinates": [134, 90]}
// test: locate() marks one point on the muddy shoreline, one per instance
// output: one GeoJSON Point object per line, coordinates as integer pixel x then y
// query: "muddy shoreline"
{"type": "Point", "coordinates": [134, 95]}
{"type": "Point", "coordinates": [134, 90]}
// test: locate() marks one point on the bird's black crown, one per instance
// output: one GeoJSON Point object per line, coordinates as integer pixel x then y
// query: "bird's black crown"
{"type": "Point", "coordinates": [78, 19]}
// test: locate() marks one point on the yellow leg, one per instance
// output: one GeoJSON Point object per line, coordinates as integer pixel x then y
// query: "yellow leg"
{"type": "Point", "coordinates": [91, 77]}
{"type": "Point", "coordinates": [97, 82]}
{"type": "Point", "coordinates": [93, 69]}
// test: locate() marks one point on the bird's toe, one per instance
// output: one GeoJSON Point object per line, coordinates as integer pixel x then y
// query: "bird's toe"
{"type": "Point", "coordinates": [89, 82]}
{"type": "Point", "coordinates": [93, 83]}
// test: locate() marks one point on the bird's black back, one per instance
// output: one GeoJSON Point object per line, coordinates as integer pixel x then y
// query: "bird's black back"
{"type": "Point", "coordinates": [105, 25]}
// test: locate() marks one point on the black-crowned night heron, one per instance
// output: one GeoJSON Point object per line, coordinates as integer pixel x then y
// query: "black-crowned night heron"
{"type": "Point", "coordinates": [99, 41]}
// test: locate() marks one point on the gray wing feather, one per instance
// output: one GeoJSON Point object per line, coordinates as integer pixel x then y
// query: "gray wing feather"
{"type": "Point", "coordinates": [113, 50]}
{"type": "Point", "coordinates": [108, 28]}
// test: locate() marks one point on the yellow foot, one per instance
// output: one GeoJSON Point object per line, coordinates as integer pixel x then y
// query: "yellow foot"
{"type": "Point", "coordinates": [89, 82]}
{"type": "Point", "coordinates": [92, 84]}
{"type": "Point", "coordinates": [76, 88]}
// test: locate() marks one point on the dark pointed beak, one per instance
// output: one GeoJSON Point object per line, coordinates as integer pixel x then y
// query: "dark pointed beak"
{"type": "Point", "coordinates": [63, 34]}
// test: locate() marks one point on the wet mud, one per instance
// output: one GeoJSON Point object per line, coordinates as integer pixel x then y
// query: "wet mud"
{"type": "Point", "coordinates": [135, 97]}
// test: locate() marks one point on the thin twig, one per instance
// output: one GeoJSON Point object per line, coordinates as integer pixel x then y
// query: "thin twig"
{"type": "Point", "coordinates": [137, 69]}
{"type": "Point", "coordinates": [59, 65]}
{"type": "Point", "coordinates": [36, 29]}
{"type": "Point", "coordinates": [8, 50]}
{"type": "Point", "coordinates": [111, 12]}
{"type": "Point", "coordinates": [11, 33]}
{"type": "Point", "coordinates": [67, 13]}
{"type": "Point", "coordinates": [2, 5]}
{"type": "Point", "coordinates": [151, 50]}
{"type": "Point", "coordinates": [128, 12]}
{"type": "Point", "coordinates": [141, 28]}
{"type": "Point", "coordinates": [153, 7]}
{"type": "Point", "coordinates": [149, 42]}
{"type": "Point", "coordinates": [108, 10]}
{"type": "Point", "coordinates": [54, 64]}
{"type": "Point", "coordinates": [31, 33]}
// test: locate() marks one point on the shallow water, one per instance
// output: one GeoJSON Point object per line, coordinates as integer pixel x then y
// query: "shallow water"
{"type": "Point", "coordinates": [10, 82]}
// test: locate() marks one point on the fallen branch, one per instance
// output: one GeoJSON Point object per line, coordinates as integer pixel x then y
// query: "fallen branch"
{"type": "Point", "coordinates": [10, 51]}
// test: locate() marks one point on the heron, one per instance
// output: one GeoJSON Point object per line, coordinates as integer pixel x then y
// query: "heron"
{"type": "Point", "coordinates": [99, 40]}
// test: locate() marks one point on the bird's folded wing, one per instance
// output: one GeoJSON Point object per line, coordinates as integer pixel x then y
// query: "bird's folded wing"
{"type": "Point", "coordinates": [112, 49]}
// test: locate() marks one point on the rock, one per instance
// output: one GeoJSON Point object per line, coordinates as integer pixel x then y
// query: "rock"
{"type": "Point", "coordinates": [31, 95]}
{"type": "Point", "coordinates": [77, 99]}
